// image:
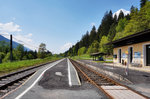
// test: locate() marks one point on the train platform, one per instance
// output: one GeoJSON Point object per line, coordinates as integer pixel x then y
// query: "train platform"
{"type": "Point", "coordinates": [52, 82]}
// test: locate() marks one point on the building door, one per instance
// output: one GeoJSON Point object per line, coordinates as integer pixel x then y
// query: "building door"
{"type": "Point", "coordinates": [119, 55]}
{"type": "Point", "coordinates": [130, 57]}
{"type": "Point", "coordinates": [147, 55]}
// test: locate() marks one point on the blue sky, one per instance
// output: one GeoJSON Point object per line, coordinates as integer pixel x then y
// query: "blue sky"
{"type": "Point", "coordinates": [57, 23]}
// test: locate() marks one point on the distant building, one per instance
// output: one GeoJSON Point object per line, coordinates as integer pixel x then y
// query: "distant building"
{"type": "Point", "coordinates": [133, 50]}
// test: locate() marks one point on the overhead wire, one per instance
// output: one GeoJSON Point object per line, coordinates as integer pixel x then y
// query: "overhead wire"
{"type": "Point", "coordinates": [24, 43]}
{"type": "Point", "coordinates": [27, 43]}
{"type": "Point", "coordinates": [20, 41]}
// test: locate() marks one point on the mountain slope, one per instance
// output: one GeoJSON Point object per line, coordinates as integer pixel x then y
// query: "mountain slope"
{"type": "Point", "coordinates": [123, 10]}
{"type": "Point", "coordinates": [15, 44]}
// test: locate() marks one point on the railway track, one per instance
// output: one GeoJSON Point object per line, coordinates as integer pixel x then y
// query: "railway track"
{"type": "Point", "coordinates": [13, 80]}
{"type": "Point", "coordinates": [111, 88]}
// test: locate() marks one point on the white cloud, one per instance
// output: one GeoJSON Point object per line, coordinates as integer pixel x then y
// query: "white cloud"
{"type": "Point", "coordinates": [65, 47]}
{"type": "Point", "coordinates": [9, 27]}
{"type": "Point", "coordinates": [29, 35]}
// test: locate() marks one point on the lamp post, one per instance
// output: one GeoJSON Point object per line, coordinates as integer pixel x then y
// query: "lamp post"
{"type": "Point", "coordinates": [126, 70]}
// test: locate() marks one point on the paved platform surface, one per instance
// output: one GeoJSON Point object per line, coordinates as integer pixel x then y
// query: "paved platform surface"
{"type": "Point", "coordinates": [51, 82]}
{"type": "Point", "coordinates": [26, 86]}
{"type": "Point", "coordinates": [120, 92]}
{"type": "Point", "coordinates": [140, 80]}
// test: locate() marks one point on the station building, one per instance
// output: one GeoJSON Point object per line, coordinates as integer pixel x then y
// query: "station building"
{"type": "Point", "coordinates": [133, 49]}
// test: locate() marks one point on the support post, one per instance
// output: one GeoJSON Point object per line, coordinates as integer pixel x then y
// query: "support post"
{"type": "Point", "coordinates": [11, 49]}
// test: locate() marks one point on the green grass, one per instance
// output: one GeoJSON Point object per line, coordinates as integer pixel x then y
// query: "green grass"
{"type": "Point", "coordinates": [104, 61]}
{"type": "Point", "coordinates": [14, 66]}
{"type": "Point", "coordinates": [84, 56]}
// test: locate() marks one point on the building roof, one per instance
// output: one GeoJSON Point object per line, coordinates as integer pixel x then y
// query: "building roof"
{"type": "Point", "coordinates": [139, 37]}
{"type": "Point", "coordinates": [97, 54]}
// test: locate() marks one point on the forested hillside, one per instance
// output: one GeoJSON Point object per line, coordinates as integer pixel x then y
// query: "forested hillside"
{"type": "Point", "coordinates": [112, 28]}
{"type": "Point", "coordinates": [19, 53]}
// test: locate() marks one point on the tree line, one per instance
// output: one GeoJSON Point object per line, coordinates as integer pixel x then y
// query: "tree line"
{"type": "Point", "coordinates": [112, 28]}
{"type": "Point", "coordinates": [19, 53]}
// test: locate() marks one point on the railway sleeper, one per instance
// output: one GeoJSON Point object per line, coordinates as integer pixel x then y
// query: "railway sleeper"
{"type": "Point", "coordinates": [3, 91]}
{"type": "Point", "coordinates": [11, 87]}
{"type": "Point", "coordinates": [14, 81]}
{"type": "Point", "coordinates": [16, 84]}
{"type": "Point", "coordinates": [97, 78]}
{"type": "Point", "coordinates": [99, 81]}
{"type": "Point", "coordinates": [104, 84]}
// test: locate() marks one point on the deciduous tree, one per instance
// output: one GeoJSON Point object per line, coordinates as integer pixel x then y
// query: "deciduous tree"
{"type": "Point", "coordinates": [42, 51]}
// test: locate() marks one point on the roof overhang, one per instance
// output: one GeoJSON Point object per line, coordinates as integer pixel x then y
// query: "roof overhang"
{"type": "Point", "coordinates": [97, 54]}
{"type": "Point", "coordinates": [132, 39]}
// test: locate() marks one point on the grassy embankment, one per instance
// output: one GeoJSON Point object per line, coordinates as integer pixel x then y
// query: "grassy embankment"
{"type": "Point", "coordinates": [17, 65]}
{"type": "Point", "coordinates": [104, 61]}
{"type": "Point", "coordinates": [108, 59]}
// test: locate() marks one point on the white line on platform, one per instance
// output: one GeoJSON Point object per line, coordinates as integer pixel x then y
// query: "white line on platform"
{"type": "Point", "coordinates": [23, 93]}
{"type": "Point", "coordinates": [77, 76]}
{"type": "Point", "coordinates": [69, 76]}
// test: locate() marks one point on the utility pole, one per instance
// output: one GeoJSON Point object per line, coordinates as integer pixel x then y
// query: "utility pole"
{"type": "Point", "coordinates": [11, 48]}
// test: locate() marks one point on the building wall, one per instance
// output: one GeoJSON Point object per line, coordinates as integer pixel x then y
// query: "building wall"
{"type": "Point", "coordinates": [137, 49]}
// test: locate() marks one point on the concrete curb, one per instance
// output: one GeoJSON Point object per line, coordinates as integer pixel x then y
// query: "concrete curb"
{"type": "Point", "coordinates": [73, 75]}
{"type": "Point", "coordinates": [142, 69]}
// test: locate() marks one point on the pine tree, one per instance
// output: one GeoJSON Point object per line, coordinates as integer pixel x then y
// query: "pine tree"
{"type": "Point", "coordinates": [112, 32]}
{"type": "Point", "coordinates": [99, 33]}
{"type": "Point", "coordinates": [86, 39]}
{"type": "Point", "coordinates": [127, 17]}
{"type": "Point", "coordinates": [92, 35]}
{"type": "Point", "coordinates": [121, 15]}
{"type": "Point", "coordinates": [143, 2]}
{"type": "Point", "coordinates": [84, 42]}
{"type": "Point", "coordinates": [132, 9]}
{"type": "Point", "coordinates": [115, 19]}
{"type": "Point", "coordinates": [76, 48]}
{"type": "Point", "coordinates": [107, 21]}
